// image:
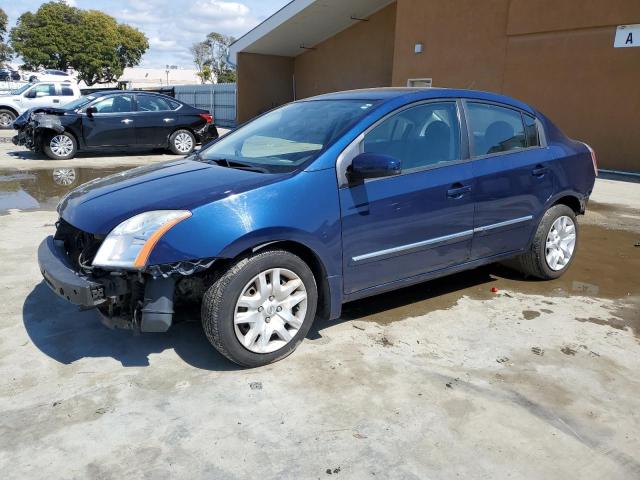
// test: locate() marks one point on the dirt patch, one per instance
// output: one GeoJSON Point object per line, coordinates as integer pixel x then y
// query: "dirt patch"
{"type": "Point", "coordinates": [530, 314]}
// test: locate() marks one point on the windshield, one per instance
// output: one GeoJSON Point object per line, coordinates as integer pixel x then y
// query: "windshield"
{"type": "Point", "coordinates": [24, 87]}
{"type": "Point", "coordinates": [286, 138]}
{"type": "Point", "coordinates": [79, 102]}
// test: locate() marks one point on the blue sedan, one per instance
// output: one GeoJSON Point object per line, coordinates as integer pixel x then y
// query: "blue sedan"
{"type": "Point", "coordinates": [318, 203]}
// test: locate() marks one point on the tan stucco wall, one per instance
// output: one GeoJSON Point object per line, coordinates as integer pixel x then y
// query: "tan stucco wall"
{"type": "Point", "coordinates": [358, 57]}
{"type": "Point", "coordinates": [557, 55]}
{"type": "Point", "coordinates": [264, 82]}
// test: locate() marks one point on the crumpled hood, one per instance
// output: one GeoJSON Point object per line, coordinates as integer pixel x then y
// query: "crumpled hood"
{"type": "Point", "coordinates": [101, 204]}
{"type": "Point", "coordinates": [23, 119]}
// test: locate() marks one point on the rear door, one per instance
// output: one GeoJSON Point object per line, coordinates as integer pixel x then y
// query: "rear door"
{"type": "Point", "coordinates": [156, 119]}
{"type": "Point", "coordinates": [112, 124]}
{"type": "Point", "coordinates": [513, 180]}
{"type": "Point", "coordinates": [420, 221]}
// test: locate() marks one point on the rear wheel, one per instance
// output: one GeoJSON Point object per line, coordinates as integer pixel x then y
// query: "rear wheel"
{"type": "Point", "coordinates": [261, 309]}
{"type": "Point", "coordinates": [6, 118]}
{"type": "Point", "coordinates": [553, 247]}
{"type": "Point", "coordinates": [182, 142]}
{"type": "Point", "coordinates": [60, 146]}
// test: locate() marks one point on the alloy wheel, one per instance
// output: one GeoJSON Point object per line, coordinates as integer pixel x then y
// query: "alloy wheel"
{"type": "Point", "coordinates": [270, 310]}
{"type": "Point", "coordinates": [183, 142]}
{"type": "Point", "coordinates": [61, 145]}
{"type": "Point", "coordinates": [561, 241]}
{"type": "Point", "coordinates": [5, 120]}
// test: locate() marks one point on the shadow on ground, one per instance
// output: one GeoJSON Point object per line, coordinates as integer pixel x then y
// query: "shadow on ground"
{"type": "Point", "coordinates": [65, 334]}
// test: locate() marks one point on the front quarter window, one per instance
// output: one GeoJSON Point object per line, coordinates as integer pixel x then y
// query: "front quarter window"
{"type": "Point", "coordinates": [287, 138]}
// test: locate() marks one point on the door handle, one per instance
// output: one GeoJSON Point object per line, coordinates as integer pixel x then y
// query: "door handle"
{"type": "Point", "coordinates": [458, 190]}
{"type": "Point", "coordinates": [167, 120]}
{"type": "Point", "coordinates": [126, 121]}
{"type": "Point", "coordinates": [539, 171]}
{"type": "Point", "coordinates": [56, 101]}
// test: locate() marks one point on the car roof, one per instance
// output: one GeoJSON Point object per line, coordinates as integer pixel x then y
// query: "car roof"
{"type": "Point", "coordinates": [102, 93]}
{"type": "Point", "coordinates": [409, 94]}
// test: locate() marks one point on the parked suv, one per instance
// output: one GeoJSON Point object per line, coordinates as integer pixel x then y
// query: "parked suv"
{"type": "Point", "coordinates": [318, 203]}
{"type": "Point", "coordinates": [43, 94]}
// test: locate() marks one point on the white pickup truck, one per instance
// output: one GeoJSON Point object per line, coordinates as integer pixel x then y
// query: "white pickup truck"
{"type": "Point", "coordinates": [32, 95]}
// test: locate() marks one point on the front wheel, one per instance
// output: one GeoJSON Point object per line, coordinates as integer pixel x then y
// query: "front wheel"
{"type": "Point", "coordinates": [6, 118]}
{"type": "Point", "coordinates": [260, 309]}
{"type": "Point", "coordinates": [60, 146]}
{"type": "Point", "coordinates": [182, 142]}
{"type": "Point", "coordinates": [554, 245]}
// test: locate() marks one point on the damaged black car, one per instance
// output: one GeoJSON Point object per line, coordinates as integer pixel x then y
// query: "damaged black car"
{"type": "Point", "coordinates": [115, 120]}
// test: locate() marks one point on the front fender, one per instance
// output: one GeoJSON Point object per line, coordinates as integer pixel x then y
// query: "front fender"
{"type": "Point", "coordinates": [302, 208]}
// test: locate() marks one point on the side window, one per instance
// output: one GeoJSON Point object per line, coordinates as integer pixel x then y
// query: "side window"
{"type": "Point", "coordinates": [43, 90]}
{"type": "Point", "coordinates": [114, 104]}
{"type": "Point", "coordinates": [495, 129]}
{"type": "Point", "coordinates": [531, 131]}
{"type": "Point", "coordinates": [66, 91]}
{"type": "Point", "coordinates": [418, 136]}
{"type": "Point", "coordinates": [149, 103]}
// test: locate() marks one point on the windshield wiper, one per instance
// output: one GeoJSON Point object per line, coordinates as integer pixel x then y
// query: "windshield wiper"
{"type": "Point", "coordinates": [225, 162]}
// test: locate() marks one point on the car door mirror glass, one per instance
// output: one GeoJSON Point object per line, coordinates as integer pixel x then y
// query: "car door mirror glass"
{"type": "Point", "coordinates": [90, 111]}
{"type": "Point", "coordinates": [373, 165]}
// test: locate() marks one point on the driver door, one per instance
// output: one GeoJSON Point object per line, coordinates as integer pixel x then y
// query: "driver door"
{"type": "Point", "coordinates": [421, 221]}
{"type": "Point", "coordinates": [112, 124]}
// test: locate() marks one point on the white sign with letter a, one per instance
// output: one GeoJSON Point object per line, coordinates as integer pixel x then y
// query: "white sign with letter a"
{"type": "Point", "coordinates": [627, 36]}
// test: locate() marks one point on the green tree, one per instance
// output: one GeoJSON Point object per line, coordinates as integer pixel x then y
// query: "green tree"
{"type": "Point", "coordinates": [5, 51]}
{"type": "Point", "coordinates": [213, 53]}
{"type": "Point", "coordinates": [60, 36]}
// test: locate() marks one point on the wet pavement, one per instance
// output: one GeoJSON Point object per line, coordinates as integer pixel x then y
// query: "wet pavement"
{"type": "Point", "coordinates": [42, 189]}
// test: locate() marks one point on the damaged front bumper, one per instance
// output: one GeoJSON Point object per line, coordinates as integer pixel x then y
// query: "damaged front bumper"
{"type": "Point", "coordinates": [30, 126]}
{"type": "Point", "coordinates": [152, 302]}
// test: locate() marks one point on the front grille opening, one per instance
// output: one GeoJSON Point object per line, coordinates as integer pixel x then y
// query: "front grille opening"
{"type": "Point", "coordinates": [80, 247]}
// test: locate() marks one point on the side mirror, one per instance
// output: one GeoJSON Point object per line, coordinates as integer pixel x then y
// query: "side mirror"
{"type": "Point", "coordinates": [90, 111]}
{"type": "Point", "coordinates": [373, 165]}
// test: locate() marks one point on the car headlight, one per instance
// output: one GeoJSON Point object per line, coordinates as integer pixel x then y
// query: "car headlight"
{"type": "Point", "coordinates": [130, 243]}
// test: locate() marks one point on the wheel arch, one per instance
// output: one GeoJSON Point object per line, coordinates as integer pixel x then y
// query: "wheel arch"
{"type": "Point", "coordinates": [11, 109]}
{"type": "Point", "coordinates": [311, 258]}
{"type": "Point", "coordinates": [571, 200]}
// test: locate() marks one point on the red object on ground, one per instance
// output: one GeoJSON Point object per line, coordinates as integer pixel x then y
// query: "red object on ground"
{"type": "Point", "coordinates": [494, 290]}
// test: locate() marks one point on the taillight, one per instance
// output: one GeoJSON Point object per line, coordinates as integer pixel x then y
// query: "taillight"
{"type": "Point", "coordinates": [594, 160]}
{"type": "Point", "coordinates": [206, 117]}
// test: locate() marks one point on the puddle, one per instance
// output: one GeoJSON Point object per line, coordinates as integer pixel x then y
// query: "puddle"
{"type": "Point", "coordinates": [43, 189]}
{"type": "Point", "coordinates": [607, 265]}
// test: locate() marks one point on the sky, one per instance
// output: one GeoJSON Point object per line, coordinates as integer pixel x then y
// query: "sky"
{"type": "Point", "coordinates": [171, 26]}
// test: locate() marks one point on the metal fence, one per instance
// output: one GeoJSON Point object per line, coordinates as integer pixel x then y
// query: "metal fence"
{"type": "Point", "coordinates": [219, 99]}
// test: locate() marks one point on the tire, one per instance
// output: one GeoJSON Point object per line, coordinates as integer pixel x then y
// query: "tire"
{"type": "Point", "coordinates": [222, 301]}
{"type": "Point", "coordinates": [182, 142]}
{"type": "Point", "coordinates": [60, 146]}
{"type": "Point", "coordinates": [6, 118]}
{"type": "Point", "coordinates": [33, 79]}
{"type": "Point", "coordinates": [535, 262]}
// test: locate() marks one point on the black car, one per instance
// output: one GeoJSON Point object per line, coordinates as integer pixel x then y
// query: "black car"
{"type": "Point", "coordinates": [115, 120]}
{"type": "Point", "coordinates": [8, 74]}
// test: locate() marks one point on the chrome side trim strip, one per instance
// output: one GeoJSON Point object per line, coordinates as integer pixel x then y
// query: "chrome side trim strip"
{"type": "Point", "coordinates": [445, 238]}
{"type": "Point", "coordinates": [503, 224]}
{"type": "Point", "coordinates": [411, 246]}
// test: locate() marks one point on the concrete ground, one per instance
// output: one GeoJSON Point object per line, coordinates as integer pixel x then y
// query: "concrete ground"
{"type": "Point", "coordinates": [442, 380]}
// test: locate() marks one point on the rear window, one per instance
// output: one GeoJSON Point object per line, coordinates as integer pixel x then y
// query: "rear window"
{"type": "Point", "coordinates": [66, 91]}
{"type": "Point", "coordinates": [495, 129]}
{"type": "Point", "coordinates": [150, 103]}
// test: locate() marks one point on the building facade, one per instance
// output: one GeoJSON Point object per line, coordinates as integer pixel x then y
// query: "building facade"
{"type": "Point", "coordinates": [557, 55]}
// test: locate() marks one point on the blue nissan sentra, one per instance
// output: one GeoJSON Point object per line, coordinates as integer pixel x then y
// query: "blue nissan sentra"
{"type": "Point", "coordinates": [318, 203]}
